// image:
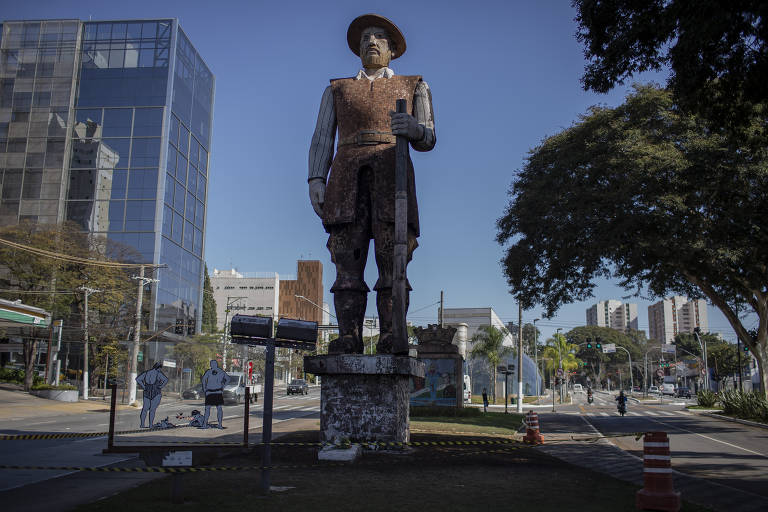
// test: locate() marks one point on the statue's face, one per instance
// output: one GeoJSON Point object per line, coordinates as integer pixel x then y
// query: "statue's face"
{"type": "Point", "coordinates": [375, 48]}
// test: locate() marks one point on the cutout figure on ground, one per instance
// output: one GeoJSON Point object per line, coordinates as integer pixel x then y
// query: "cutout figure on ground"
{"type": "Point", "coordinates": [356, 203]}
{"type": "Point", "coordinates": [485, 400]}
{"type": "Point", "coordinates": [213, 382]}
{"type": "Point", "coordinates": [152, 382]}
{"type": "Point", "coordinates": [195, 418]}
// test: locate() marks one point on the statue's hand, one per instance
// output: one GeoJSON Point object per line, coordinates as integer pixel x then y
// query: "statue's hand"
{"type": "Point", "coordinates": [406, 124]}
{"type": "Point", "coordinates": [317, 195]}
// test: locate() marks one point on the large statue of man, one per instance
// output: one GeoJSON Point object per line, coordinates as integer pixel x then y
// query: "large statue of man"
{"type": "Point", "coordinates": [357, 201]}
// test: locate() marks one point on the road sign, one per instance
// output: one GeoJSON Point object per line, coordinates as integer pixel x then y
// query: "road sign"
{"type": "Point", "coordinates": [140, 358]}
{"type": "Point", "coordinates": [609, 348]}
{"type": "Point", "coordinates": [559, 372]}
{"type": "Point", "coordinates": [169, 363]}
{"type": "Point", "coordinates": [501, 368]}
{"type": "Point", "coordinates": [660, 373]}
{"type": "Point", "coordinates": [668, 348]}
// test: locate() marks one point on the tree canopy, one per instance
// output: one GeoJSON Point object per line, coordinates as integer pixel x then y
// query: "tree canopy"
{"type": "Point", "coordinates": [488, 344]}
{"type": "Point", "coordinates": [209, 305]}
{"type": "Point", "coordinates": [647, 194]}
{"type": "Point", "coordinates": [715, 52]}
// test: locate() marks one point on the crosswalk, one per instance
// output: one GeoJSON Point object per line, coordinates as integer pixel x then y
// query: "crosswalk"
{"type": "Point", "coordinates": [642, 412]}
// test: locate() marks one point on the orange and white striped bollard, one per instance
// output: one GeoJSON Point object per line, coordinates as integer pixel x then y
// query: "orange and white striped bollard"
{"type": "Point", "coordinates": [658, 492]}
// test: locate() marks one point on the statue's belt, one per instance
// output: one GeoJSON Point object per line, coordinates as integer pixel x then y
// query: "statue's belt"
{"type": "Point", "coordinates": [368, 138]}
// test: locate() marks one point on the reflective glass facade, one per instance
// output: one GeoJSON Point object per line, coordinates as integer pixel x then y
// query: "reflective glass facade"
{"type": "Point", "coordinates": [107, 124]}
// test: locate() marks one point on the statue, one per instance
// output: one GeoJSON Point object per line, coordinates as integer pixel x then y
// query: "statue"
{"type": "Point", "coordinates": [357, 201]}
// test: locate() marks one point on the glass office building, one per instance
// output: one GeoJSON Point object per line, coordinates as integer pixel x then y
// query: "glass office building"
{"type": "Point", "coordinates": [108, 124]}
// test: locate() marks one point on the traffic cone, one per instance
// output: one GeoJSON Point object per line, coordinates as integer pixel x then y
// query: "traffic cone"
{"type": "Point", "coordinates": [658, 492]}
{"type": "Point", "coordinates": [532, 434]}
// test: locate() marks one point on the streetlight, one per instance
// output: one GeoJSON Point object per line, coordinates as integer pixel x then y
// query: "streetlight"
{"type": "Point", "coordinates": [226, 319]}
{"type": "Point", "coordinates": [560, 362]}
{"type": "Point", "coordinates": [631, 378]}
{"type": "Point", "coordinates": [696, 331]}
{"type": "Point", "coordinates": [536, 352]}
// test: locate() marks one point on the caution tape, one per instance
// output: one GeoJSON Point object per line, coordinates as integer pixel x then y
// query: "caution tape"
{"type": "Point", "coordinates": [204, 469]}
{"type": "Point", "coordinates": [65, 435]}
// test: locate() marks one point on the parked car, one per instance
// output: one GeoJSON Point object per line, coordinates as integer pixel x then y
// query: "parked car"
{"type": "Point", "coordinates": [299, 386]}
{"type": "Point", "coordinates": [654, 390]}
{"type": "Point", "coordinates": [193, 393]}
{"type": "Point", "coordinates": [636, 389]}
{"type": "Point", "coordinates": [467, 389]}
{"type": "Point", "coordinates": [683, 392]}
{"type": "Point", "coordinates": [577, 388]}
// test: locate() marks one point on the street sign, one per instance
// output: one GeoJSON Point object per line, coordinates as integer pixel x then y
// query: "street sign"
{"type": "Point", "coordinates": [660, 373]}
{"type": "Point", "coordinates": [169, 363]}
{"type": "Point", "coordinates": [668, 348]}
{"type": "Point", "coordinates": [141, 356]}
{"type": "Point", "coordinates": [501, 368]}
{"type": "Point", "coordinates": [609, 348]}
{"type": "Point", "coordinates": [187, 370]}
{"type": "Point", "coordinates": [559, 372]}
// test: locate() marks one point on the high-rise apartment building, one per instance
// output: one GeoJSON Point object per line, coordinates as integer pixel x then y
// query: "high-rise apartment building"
{"type": "Point", "coordinates": [674, 315]}
{"type": "Point", "coordinates": [615, 314]}
{"type": "Point", "coordinates": [108, 124]}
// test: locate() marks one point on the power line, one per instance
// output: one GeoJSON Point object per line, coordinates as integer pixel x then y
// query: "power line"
{"type": "Point", "coordinates": [75, 259]}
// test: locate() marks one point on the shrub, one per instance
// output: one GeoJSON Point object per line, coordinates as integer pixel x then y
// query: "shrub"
{"type": "Point", "coordinates": [752, 405]}
{"type": "Point", "coordinates": [706, 398]}
{"type": "Point", "coordinates": [15, 375]}
{"type": "Point", "coordinates": [61, 387]}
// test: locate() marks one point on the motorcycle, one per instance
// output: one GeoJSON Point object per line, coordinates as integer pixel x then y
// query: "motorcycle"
{"type": "Point", "coordinates": [590, 399]}
{"type": "Point", "coordinates": [622, 408]}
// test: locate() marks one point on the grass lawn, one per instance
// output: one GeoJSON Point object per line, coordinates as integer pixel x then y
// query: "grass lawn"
{"type": "Point", "coordinates": [423, 479]}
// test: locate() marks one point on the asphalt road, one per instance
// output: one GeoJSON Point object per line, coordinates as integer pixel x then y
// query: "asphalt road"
{"type": "Point", "coordinates": [88, 451]}
{"type": "Point", "coordinates": [727, 453]}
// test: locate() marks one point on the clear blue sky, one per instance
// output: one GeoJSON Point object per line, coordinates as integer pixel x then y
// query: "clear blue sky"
{"type": "Point", "coordinates": [503, 76]}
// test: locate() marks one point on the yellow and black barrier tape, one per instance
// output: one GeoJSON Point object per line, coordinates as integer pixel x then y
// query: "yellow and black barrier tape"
{"type": "Point", "coordinates": [204, 469]}
{"type": "Point", "coordinates": [65, 435]}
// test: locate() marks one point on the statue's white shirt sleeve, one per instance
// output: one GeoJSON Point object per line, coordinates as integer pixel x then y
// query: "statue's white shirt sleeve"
{"type": "Point", "coordinates": [321, 147]}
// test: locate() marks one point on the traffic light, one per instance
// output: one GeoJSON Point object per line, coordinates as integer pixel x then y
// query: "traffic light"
{"type": "Point", "coordinates": [589, 343]}
{"type": "Point", "coordinates": [746, 348]}
{"type": "Point", "coordinates": [598, 345]}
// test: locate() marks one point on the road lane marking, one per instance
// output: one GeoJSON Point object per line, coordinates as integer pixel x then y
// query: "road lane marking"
{"type": "Point", "coordinates": [604, 414]}
{"type": "Point", "coordinates": [712, 439]}
{"type": "Point", "coordinates": [666, 413]}
{"type": "Point", "coordinates": [651, 413]}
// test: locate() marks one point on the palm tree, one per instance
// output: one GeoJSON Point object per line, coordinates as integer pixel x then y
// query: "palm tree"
{"type": "Point", "coordinates": [487, 344]}
{"type": "Point", "coordinates": [558, 349]}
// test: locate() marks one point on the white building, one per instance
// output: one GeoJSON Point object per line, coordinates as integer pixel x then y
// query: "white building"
{"type": "Point", "coordinates": [674, 315]}
{"type": "Point", "coordinates": [475, 318]}
{"type": "Point", "coordinates": [249, 294]}
{"type": "Point", "coordinates": [615, 314]}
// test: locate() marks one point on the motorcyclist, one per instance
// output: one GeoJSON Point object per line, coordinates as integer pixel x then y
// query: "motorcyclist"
{"type": "Point", "coordinates": [589, 394]}
{"type": "Point", "coordinates": [622, 401]}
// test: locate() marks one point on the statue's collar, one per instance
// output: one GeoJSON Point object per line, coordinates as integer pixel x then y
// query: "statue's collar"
{"type": "Point", "coordinates": [380, 73]}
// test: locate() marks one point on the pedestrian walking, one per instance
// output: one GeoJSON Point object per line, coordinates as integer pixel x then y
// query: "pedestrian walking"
{"type": "Point", "coordinates": [485, 400]}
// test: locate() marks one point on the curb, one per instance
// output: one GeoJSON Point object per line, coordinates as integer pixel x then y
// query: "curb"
{"type": "Point", "coordinates": [735, 420]}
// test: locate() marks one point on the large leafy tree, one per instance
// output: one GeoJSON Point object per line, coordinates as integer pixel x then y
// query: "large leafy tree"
{"type": "Point", "coordinates": [716, 52]}
{"type": "Point", "coordinates": [54, 285]}
{"type": "Point", "coordinates": [651, 196]}
{"type": "Point", "coordinates": [599, 364]}
{"type": "Point", "coordinates": [488, 344]}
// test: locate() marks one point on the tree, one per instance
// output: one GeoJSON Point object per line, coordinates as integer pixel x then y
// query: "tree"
{"type": "Point", "coordinates": [196, 352]}
{"type": "Point", "coordinates": [488, 344]}
{"type": "Point", "coordinates": [53, 284]}
{"type": "Point", "coordinates": [647, 194]}
{"type": "Point", "coordinates": [530, 333]}
{"type": "Point", "coordinates": [715, 51]}
{"type": "Point", "coordinates": [209, 305]}
{"type": "Point", "coordinates": [602, 363]}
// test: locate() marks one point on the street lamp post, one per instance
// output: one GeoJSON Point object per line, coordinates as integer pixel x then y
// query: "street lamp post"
{"type": "Point", "coordinates": [703, 346]}
{"type": "Point", "coordinates": [560, 363]}
{"type": "Point", "coordinates": [631, 378]}
{"type": "Point", "coordinates": [536, 352]}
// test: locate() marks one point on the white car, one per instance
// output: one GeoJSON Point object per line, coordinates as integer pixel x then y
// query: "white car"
{"type": "Point", "coordinates": [667, 389]}
{"type": "Point", "coordinates": [577, 388]}
{"type": "Point", "coordinates": [653, 390]}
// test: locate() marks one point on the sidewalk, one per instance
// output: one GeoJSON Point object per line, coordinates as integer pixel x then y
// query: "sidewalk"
{"type": "Point", "coordinates": [17, 404]}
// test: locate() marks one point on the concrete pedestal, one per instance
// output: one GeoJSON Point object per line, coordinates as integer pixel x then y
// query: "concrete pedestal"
{"type": "Point", "coordinates": [364, 398]}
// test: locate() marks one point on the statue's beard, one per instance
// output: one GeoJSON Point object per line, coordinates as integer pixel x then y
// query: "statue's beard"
{"type": "Point", "coordinates": [377, 60]}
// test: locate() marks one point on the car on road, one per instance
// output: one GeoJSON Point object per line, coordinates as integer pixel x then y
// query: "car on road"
{"type": "Point", "coordinates": [299, 386]}
{"type": "Point", "coordinates": [654, 390]}
{"type": "Point", "coordinates": [683, 392]}
{"type": "Point", "coordinates": [193, 393]}
{"type": "Point", "coordinates": [667, 389]}
{"type": "Point", "coordinates": [577, 388]}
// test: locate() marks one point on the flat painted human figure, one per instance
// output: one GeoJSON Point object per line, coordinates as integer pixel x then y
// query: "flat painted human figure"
{"type": "Point", "coordinates": [213, 382]}
{"type": "Point", "coordinates": [152, 382]}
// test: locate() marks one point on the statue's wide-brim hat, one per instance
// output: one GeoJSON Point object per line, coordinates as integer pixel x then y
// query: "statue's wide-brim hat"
{"type": "Point", "coordinates": [361, 23]}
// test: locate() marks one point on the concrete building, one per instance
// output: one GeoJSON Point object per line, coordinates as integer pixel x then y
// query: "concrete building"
{"type": "Point", "coordinates": [249, 294]}
{"type": "Point", "coordinates": [265, 293]}
{"type": "Point", "coordinates": [621, 316]}
{"type": "Point", "coordinates": [108, 124]}
{"type": "Point", "coordinates": [674, 315]}
{"type": "Point", "coordinates": [475, 318]}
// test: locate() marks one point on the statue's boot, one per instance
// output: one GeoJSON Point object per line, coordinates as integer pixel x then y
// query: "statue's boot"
{"type": "Point", "coordinates": [350, 313]}
{"type": "Point", "coordinates": [384, 305]}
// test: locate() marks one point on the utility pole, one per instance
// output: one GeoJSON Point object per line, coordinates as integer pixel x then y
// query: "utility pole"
{"type": "Point", "coordinates": [519, 356]}
{"type": "Point", "coordinates": [738, 354]}
{"type": "Point", "coordinates": [133, 356]}
{"type": "Point", "coordinates": [87, 291]}
{"type": "Point", "coordinates": [441, 308]}
{"type": "Point", "coordinates": [560, 363]}
{"type": "Point", "coordinates": [703, 347]}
